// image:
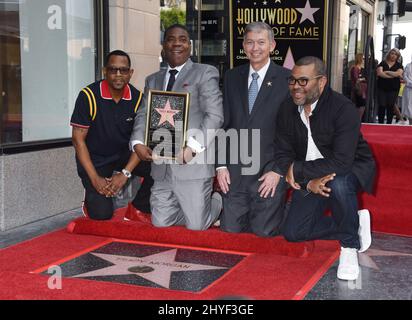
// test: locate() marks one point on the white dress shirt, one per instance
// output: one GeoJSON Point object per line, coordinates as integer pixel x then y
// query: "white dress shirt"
{"type": "Point", "coordinates": [178, 69]}
{"type": "Point", "coordinates": [312, 153]}
{"type": "Point", "coordinates": [262, 74]}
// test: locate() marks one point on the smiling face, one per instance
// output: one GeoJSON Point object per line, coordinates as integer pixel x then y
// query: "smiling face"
{"type": "Point", "coordinates": [176, 47]}
{"type": "Point", "coordinates": [308, 94]}
{"type": "Point", "coordinates": [257, 46]}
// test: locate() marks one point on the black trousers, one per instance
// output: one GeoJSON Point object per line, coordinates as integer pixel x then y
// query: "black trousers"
{"type": "Point", "coordinates": [245, 211]}
{"type": "Point", "coordinates": [306, 220]}
{"type": "Point", "coordinates": [386, 102]}
{"type": "Point", "coordinates": [101, 208]}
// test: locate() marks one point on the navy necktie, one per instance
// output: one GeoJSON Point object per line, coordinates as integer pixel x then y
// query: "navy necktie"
{"type": "Point", "coordinates": [172, 79]}
{"type": "Point", "coordinates": [253, 91]}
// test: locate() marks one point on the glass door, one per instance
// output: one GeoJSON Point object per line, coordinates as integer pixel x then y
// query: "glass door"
{"type": "Point", "coordinates": [209, 26]}
{"type": "Point", "coordinates": [10, 73]}
{"type": "Point", "coordinates": [48, 53]}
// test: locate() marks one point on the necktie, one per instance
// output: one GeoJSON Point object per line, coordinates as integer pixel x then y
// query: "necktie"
{"type": "Point", "coordinates": [172, 79]}
{"type": "Point", "coordinates": [253, 91]}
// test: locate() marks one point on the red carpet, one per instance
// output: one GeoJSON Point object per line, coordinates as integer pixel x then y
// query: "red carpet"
{"type": "Point", "coordinates": [274, 269]}
{"type": "Point", "coordinates": [212, 238]}
{"type": "Point", "coordinates": [391, 204]}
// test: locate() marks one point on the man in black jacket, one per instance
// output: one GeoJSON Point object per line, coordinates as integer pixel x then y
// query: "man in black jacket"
{"type": "Point", "coordinates": [325, 159]}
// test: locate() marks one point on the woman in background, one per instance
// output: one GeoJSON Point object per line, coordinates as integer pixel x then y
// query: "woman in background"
{"type": "Point", "coordinates": [407, 93]}
{"type": "Point", "coordinates": [389, 73]}
{"type": "Point", "coordinates": [359, 85]}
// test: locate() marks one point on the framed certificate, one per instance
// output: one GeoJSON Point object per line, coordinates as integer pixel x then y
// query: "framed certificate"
{"type": "Point", "coordinates": [166, 123]}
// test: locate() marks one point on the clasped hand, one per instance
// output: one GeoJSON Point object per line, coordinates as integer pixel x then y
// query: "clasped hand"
{"type": "Point", "coordinates": [109, 187]}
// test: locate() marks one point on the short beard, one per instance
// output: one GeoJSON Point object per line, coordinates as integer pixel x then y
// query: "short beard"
{"type": "Point", "coordinates": [313, 97]}
{"type": "Point", "coordinates": [310, 98]}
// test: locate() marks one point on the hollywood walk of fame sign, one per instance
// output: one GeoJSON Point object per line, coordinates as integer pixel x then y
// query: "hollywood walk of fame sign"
{"type": "Point", "coordinates": [154, 266]}
{"type": "Point", "coordinates": [299, 27]}
{"type": "Point", "coordinates": [166, 124]}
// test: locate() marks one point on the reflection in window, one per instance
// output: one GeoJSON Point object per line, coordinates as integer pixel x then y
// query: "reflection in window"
{"type": "Point", "coordinates": [49, 55]}
{"type": "Point", "coordinates": [211, 5]}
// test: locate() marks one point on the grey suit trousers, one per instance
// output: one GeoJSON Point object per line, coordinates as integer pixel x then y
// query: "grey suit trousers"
{"type": "Point", "coordinates": [183, 202]}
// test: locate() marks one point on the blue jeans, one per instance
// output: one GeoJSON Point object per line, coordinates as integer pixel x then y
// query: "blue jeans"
{"type": "Point", "coordinates": [306, 220]}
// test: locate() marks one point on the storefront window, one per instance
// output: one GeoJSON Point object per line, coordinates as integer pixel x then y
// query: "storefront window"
{"type": "Point", "coordinates": [48, 54]}
{"type": "Point", "coordinates": [355, 40]}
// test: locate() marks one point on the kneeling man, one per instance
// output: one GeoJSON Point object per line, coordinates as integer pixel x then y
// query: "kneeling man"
{"type": "Point", "coordinates": [321, 151]}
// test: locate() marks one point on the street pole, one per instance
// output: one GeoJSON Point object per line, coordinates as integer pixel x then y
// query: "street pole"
{"type": "Point", "coordinates": [390, 10]}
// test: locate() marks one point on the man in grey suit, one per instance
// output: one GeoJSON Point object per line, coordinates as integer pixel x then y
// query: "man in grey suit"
{"type": "Point", "coordinates": [253, 202]}
{"type": "Point", "coordinates": [182, 193]}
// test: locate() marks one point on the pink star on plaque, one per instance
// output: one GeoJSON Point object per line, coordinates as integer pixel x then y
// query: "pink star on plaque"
{"type": "Point", "coordinates": [167, 114]}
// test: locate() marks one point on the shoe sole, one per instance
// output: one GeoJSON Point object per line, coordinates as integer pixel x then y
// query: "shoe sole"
{"type": "Point", "coordinates": [347, 277]}
{"type": "Point", "coordinates": [84, 209]}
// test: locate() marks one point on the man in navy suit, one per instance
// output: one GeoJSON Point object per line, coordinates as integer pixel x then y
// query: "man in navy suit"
{"type": "Point", "coordinates": [253, 199]}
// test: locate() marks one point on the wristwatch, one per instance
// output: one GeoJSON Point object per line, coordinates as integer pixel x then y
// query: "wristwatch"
{"type": "Point", "coordinates": [127, 173]}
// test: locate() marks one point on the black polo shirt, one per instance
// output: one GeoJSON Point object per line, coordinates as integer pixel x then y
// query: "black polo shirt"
{"type": "Point", "coordinates": [110, 124]}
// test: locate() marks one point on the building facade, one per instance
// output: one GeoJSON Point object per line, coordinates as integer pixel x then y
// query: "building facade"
{"type": "Point", "coordinates": [50, 49]}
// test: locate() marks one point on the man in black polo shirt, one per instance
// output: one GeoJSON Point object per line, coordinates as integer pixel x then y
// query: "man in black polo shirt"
{"type": "Point", "coordinates": [102, 123]}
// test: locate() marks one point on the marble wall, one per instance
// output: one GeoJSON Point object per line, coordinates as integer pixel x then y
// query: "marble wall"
{"type": "Point", "coordinates": [37, 185]}
{"type": "Point", "coordinates": [135, 28]}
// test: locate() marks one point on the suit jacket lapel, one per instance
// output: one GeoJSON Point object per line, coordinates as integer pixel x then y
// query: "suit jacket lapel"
{"type": "Point", "coordinates": [266, 89]}
{"type": "Point", "coordinates": [178, 86]}
{"type": "Point", "coordinates": [160, 80]}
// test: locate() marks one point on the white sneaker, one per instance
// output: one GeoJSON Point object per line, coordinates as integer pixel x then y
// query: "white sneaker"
{"type": "Point", "coordinates": [348, 268]}
{"type": "Point", "coordinates": [364, 232]}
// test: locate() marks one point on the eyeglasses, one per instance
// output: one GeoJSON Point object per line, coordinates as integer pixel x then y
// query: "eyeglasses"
{"type": "Point", "coordinates": [124, 71]}
{"type": "Point", "coordinates": [301, 81]}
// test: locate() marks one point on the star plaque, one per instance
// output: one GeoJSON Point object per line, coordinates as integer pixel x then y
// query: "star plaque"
{"type": "Point", "coordinates": [166, 123]}
{"type": "Point", "coordinates": [154, 266]}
